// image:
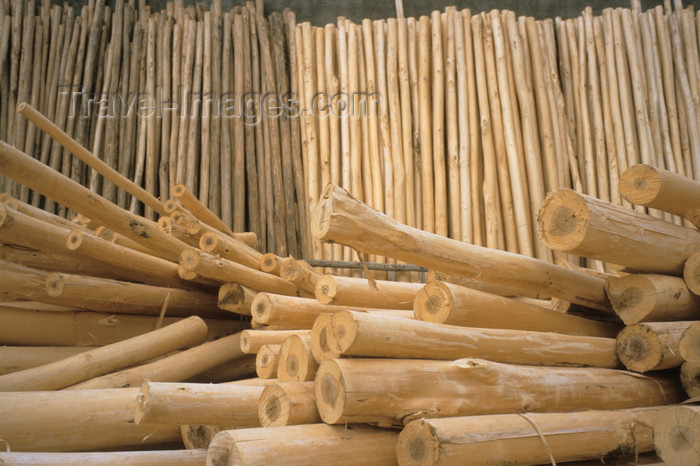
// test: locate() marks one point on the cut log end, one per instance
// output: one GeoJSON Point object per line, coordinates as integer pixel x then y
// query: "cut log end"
{"type": "Point", "coordinates": [208, 242]}
{"type": "Point", "coordinates": [178, 190]}
{"type": "Point", "coordinates": [261, 308]}
{"type": "Point", "coordinates": [344, 329]}
{"type": "Point", "coordinates": [639, 348]}
{"type": "Point", "coordinates": [418, 445]}
{"type": "Point", "coordinates": [290, 269]}
{"type": "Point", "coordinates": [329, 392]}
{"type": "Point", "coordinates": [273, 407]}
{"type": "Point", "coordinates": [267, 361]}
{"type": "Point", "coordinates": [106, 234]}
{"type": "Point", "coordinates": [296, 364]}
{"type": "Point", "coordinates": [246, 342]}
{"type": "Point", "coordinates": [193, 227]}
{"type": "Point", "coordinates": [55, 284]}
{"type": "Point", "coordinates": [269, 263]}
{"type": "Point", "coordinates": [222, 450]}
{"type": "Point", "coordinates": [3, 214]}
{"type": "Point", "coordinates": [198, 436]}
{"type": "Point", "coordinates": [74, 240]}
{"type": "Point", "coordinates": [323, 344]}
{"type": "Point", "coordinates": [326, 289]}
{"type": "Point", "coordinates": [563, 219]}
{"type": "Point", "coordinates": [189, 259]}
{"type": "Point", "coordinates": [232, 298]}
{"type": "Point", "coordinates": [689, 344]}
{"type": "Point", "coordinates": [690, 379]}
{"type": "Point", "coordinates": [677, 435]}
{"type": "Point", "coordinates": [691, 273]}
{"type": "Point", "coordinates": [165, 224]}
{"type": "Point", "coordinates": [433, 303]}
{"type": "Point", "coordinates": [640, 184]}
{"type": "Point", "coordinates": [631, 301]}
{"type": "Point", "coordinates": [170, 206]}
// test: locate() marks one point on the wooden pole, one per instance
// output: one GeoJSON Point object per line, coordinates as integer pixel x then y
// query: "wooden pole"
{"type": "Point", "coordinates": [296, 363]}
{"type": "Point", "coordinates": [676, 433]}
{"type": "Point", "coordinates": [445, 303]}
{"type": "Point", "coordinates": [519, 438]}
{"type": "Point", "coordinates": [253, 340]}
{"type": "Point", "coordinates": [106, 359]}
{"type": "Point", "coordinates": [337, 219]}
{"type": "Point", "coordinates": [651, 346]}
{"type": "Point", "coordinates": [348, 291]}
{"type": "Point", "coordinates": [426, 130]}
{"type": "Point", "coordinates": [267, 361]}
{"type": "Point", "coordinates": [288, 404]}
{"type": "Point", "coordinates": [191, 403]}
{"type": "Point", "coordinates": [367, 335]}
{"type": "Point", "coordinates": [578, 224]}
{"type": "Point", "coordinates": [651, 298]}
{"type": "Point", "coordinates": [689, 344]}
{"type": "Point", "coordinates": [230, 248]}
{"type": "Point", "coordinates": [361, 389]}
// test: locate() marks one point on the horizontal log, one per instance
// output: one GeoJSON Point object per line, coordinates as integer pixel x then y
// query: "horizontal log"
{"type": "Point", "coordinates": [238, 369]}
{"type": "Point", "coordinates": [176, 368]}
{"type": "Point", "coordinates": [225, 271]}
{"type": "Point", "coordinates": [288, 404]}
{"type": "Point", "coordinates": [518, 438]}
{"type": "Point", "coordinates": [651, 346]}
{"type": "Point", "coordinates": [306, 444]}
{"type": "Point", "coordinates": [660, 189]}
{"type": "Point", "coordinates": [189, 403]}
{"type": "Point", "coordinates": [691, 273]}
{"type": "Point", "coordinates": [578, 224]}
{"type": "Point", "coordinates": [83, 328]}
{"type": "Point", "coordinates": [341, 218]}
{"type": "Point", "coordinates": [652, 298]}
{"type": "Point", "coordinates": [689, 344]}
{"type": "Point", "coordinates": [109, 358]}
{"type": "Point", "coordinates": [393, 391]}
{"type": "Point", "coordinates": [676, 433]}
{"type": "Point", "coordinates": [445, 303]}
{"type": "Point", "coordinates": [690, 379]}
{"type": "Point", "coordinates": [370, 335]}
{"type": "Point", "coordinates": [357, 292]}
{"type": "Point", "coordinates": [253, 340]}
{"type": "Point", "coordinates": [230, 248]}
{"type": "Point", "coordinates": [76, 421]}
{"type": "Point", "coordinates": [267, 361]}
{"type": "Point", "coordinates": [154, 457]}
{"type": "Point", "coordinates": [36, 176]}
{"type": "Point", "coordinates": [497, 289]}
{"type": "Point", "coordinates": [17, 358]}
{"type": "Point", "coordinates": [296, 363]}
{"type": "Point", "coordinates": [299, 273]}
{"type": "Point", "coordinates": [234, 297]}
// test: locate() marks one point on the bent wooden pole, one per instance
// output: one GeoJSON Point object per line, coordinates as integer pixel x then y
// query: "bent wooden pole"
{"type": "Point", "coordinates": [578, 224]}
{"type": "Point", "coordinates": [445, 303]}
{"type": "Point", "coordinates": [652, 298]}
{"type": "Point", "coordinates": [199, 210]}
{"type": "Point", "coordinates": [194, 457]}
{"type": "Point", "coordinates": [89, 158]}
{"type": "Point", "coordinates": [372, 335]}
{"type": "Point", "coordinates": [661, 189]}
{"type": "Point", "coordinates": [36, 176]}
{"type": "Point", "coordinates": [305, 444]}
{"type": "Point", "coordinates": [392, 391]}
{"type": "Point", "coordinates": [651, 346]}
{"type": "Point", "coordinates": [358, 292]}
{"type": "Point", "coordinates": [234, 297]}
{"type": "Point", "coordinates": [518, 438]}
{"type": "Point", "coordinates": [76, 421]}
{"type": "Point", "coordinates": [288, 404]}
{"type": "Point", "coordinates": [98, 361]}
{"type": "Point", "coordinates": [253, 340]}
{"type": "Point", "coordinates": [676, 435]}
{"type": "Point", "coordinates": [341, 218]}
{"type": "Point", "coordinates": [197, 403]}
{"type": "Point", "coordinates": [689, 344]}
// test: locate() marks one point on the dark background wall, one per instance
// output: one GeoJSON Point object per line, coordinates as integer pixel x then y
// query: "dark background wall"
{"type": "Point", "coordinates": [320, 12]}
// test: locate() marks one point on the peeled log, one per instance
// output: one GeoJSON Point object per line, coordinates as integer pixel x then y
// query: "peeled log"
{"type": "Point", "coordinates": [267, 360]}
{"type": "Point", "coordinates": [98, 361]}
{"type": "Point", "coordinates": [651, 346]}
{"type": "Point", "coordinates": [101, 294]}
{"type": "Point", "coordinates": [512, 439]}
{"type": "Point", "coordinates": [288, 404]}
{"type": "Point", "coordinates": [651, 298]}
{"type": "Point", "coordinates": [445, 303]}
{"type": "Point", "coordinates": [253, 340]}
{"type": "Point", "coordinates": [17, 358]}
{"type": "Point", "coordinates": [234, 297]}
{"type": "Point", "coordinates": [296, 363]}
{"type": "Point", "coordinates": [395, 391]}
{"type": "Point", "coordinates": [341, 218]}
{"type": "Point", "coordinates": [224, 270]}
{"type": "Point", "coordinates": [76, 421]}
{"type": "Point", "coordinates": [192, 403]}
{"type": "Point", "coordinates": [155, 457]}
{"type": "Point", "coordinates": [370, 335]}
{"type": "Point", "coordinates": [578, 224]}
{"type": "Point", "coordinates": [660, 189]}
{"type": "Point", "coordinates": [690, 379]}
{"type": "Point", "coordinates": [689, 344]}
{"type": "Point", "coordinates": [691, 273]}
{"type": "Point", "coordinates": [305, 444]}
{"type": "Point", "coordinates": [36, 176]}
{"type": "Point", "coordinates": [677, 435]}
{"type": "Point", "coordinates": [175, 368]}
{"type": "Point", "coordinates": [357, 292]}
{"type": "Point", "coordinates": [500, 290]}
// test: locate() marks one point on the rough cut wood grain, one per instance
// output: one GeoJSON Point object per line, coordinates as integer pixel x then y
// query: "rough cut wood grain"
{"type": "Point", "coordinates": [267, 361]}
{"type": "Point", "coordinates": [234, 297]}
{"type": "Point", "coordinates": [651, 346]}
{"type": "Point", "coordinates": [307, 444]}
{"type": "Point", "coordinates": [691, 273]}
{"type": "Point", "coordinates": [299, 273]}
{"type": "Point", "coordinates": [652, 298]}
{"type": "Point", "coordinates": [689, 343]}
{"type": "Point", "coordinates": [676, 434]}
{"type": "Point", "coordinates": [372, 335]}
{"type": "Point", "coordinates": [341, 218]}
{"type": "Point", "coordinates": [288, 404]}
{"type": "Point", "coordinates": [296, 363]}
{"type": "Point", "coordinates": [512, 438]}
{"type": "Point", "coordinates": [394, 391]}
{"type": "Point", "coordinates": [579, 224]}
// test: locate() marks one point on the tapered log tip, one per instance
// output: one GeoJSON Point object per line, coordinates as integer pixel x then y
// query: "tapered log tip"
{"type": "Point", "coordinates": [418, 444]}
{"type": "Point", "coordinates": [640, 184]}
{"type": "Point", "coordinates": [563, 220]}
{"type": "Point", "coordinates": [21, 107]}
{"type": "Point", "coordinates": [330, 392]}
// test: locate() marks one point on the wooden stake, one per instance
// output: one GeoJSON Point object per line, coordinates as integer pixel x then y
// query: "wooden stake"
{"type": "Point", "coordinates": [288, 404]}
{"type": "Point", "coordinates": [651, 346]}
